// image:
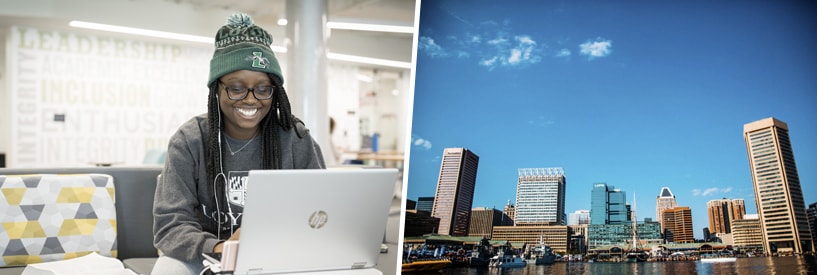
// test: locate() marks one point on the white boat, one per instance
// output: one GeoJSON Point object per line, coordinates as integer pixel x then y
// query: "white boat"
{"type": "Point", "coordinates": [718, 259]}
{"type": "Point", "coordinates": [507, 262]}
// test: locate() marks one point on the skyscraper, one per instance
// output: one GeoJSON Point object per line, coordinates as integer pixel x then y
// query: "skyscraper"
{"type": "Point", "coordinates": [780, 205]}
{"type": "Point", "coordinates": [540, 196]}
{"type": "Point", "coordinates": [455, 191]}
{"type": "Point", "coordinates": [665, 200]}
{"type": "Point", "coordinates": [608, 205]}
{"type": "Point", "coordinates": [678, 225]}
{"type": "Point", "coordinates": [578, 217]}
{"type": "Point", "coordinates": [722, 212]}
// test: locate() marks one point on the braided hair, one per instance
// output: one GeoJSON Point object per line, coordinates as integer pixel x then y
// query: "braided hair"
{"type": "Point", "coordinates": [280, 115]}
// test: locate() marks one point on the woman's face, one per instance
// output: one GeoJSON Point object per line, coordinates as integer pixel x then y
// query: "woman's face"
{"type": "Point", "coordinates": [242, 117]}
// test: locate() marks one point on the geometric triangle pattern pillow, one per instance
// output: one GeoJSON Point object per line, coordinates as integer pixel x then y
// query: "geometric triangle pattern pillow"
{"type": "Point", "coordinates": [48, 217]}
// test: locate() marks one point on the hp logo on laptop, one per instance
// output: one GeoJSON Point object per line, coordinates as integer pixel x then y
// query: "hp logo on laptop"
{"type": "Point", "coordinates": [318, 219]}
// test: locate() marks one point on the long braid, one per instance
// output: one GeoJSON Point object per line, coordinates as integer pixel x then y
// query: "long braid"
{"type": "Point", "coordinates": [212, 151]}
{"type": "Point", "coordinates": [280, 115]}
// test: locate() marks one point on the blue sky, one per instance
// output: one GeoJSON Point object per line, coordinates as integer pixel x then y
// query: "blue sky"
{"type": "Point", "coordinates": [639, 95]}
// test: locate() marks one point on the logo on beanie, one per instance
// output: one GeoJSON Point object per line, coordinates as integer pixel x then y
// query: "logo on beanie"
{"type": "Point", "coordinates": [258, 61]}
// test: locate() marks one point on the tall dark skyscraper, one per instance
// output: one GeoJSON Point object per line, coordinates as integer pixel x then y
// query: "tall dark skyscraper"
{"type": "Point", "coordinates": [608, 205]}
{"type": "Point", "coordinates": [780, 205]}
{"type": "Point", "coordinates": [455, 191]}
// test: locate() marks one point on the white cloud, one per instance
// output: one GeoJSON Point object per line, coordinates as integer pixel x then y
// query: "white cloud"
{"type": "Point", "coordinates": [427, 45]}
{"type": "Point", "coordinates": [489, 62]}
{"type": "Point", "coordinates": [712, 191]}
{"type": "Point", "coordinates": [420, 142]}
{"type": "Point", "coordinates": [596, 49]}
{"type": "Point", "coordinates": [563, 53]}
{"type": "Point", "coordinates": [516, 56]}
{"type": "Point", "coordinates": [498, 41]}
{"type": "Point", "coordinates": [521, 50]}
{"type": "Point", "coordinates": [541, 121]}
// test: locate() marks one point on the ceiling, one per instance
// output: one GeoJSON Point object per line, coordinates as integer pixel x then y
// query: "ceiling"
{"type": "Point", "coordinates": [204, 17]}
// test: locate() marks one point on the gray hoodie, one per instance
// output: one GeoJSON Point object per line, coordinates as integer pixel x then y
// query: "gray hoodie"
{"type": "Point", "coordinates": [185, 216]}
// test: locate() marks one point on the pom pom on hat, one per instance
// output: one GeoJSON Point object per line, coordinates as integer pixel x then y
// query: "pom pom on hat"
{"type": "Point", "coordinates": [239, 20]}
{"type": "Point", "coordinates": [241, 45]}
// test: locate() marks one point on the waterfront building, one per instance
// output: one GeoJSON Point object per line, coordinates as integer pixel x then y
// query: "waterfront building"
{"type": "Point", "coordinates": [608, 205]}
{"type": "Point", "coordinates": [725, 238]}
{"type": "Point", "coordinates": [577, 244]}
{"type": "Point", "coordinates": [425, 204]}
{"type": "Point", "coordinates": [510, 211]}
{"type": "Point", "coordinates": [455, 191]}
{"type": "Point", "coordinates": [418, 223]}
{"type": "Point", "coordinates": [578, 217]}
{"type": "Point", "coordinates": [811, 212]}
{"type": "Point", "coordinates": [664, 200]}
{"type": "Point", "coordinates": [780, 205]}
{"type": "Point", "coordinates": [484, 219]}
{"type": "Point", "coordinates": [555, 236]}
{"type": "Point", "coordinates": [540, 196]}
{"type": "Point", "coordinates": [722, 212]}
{"type": "Point", "coordinates": [747, 234]}
{"type": "Point", "coordinates": [599, 235]}
{"type": "Point", "coordinates": [678, 225]}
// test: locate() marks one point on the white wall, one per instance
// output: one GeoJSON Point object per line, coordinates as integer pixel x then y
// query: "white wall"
{"type": "Point", "coordinates": [117, 97]}
{"type": "Point", "coordinates": [47, 72]}
{"type": "Point", "coordinates": [5, 105]}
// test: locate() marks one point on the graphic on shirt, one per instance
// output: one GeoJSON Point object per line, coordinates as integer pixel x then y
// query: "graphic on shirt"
{"type": "Point", "coordinates": [236, 187]}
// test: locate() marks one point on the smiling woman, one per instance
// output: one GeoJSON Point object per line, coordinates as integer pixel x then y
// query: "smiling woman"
{"type": "Point", "coordinates": [199, 181]}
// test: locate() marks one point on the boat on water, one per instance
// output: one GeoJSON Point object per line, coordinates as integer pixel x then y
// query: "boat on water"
{"type": "Point", "coordinates": [543, 254]}
{"type": "Point", "coordinates": [481, 255]}
{"type": "Point", "coordinates": [715, 258]}
{"type": "Point", "coordinates": [637, 255]}
{"type": "Point", "coordinates": [719, 260]}
{"type": "Point", "coordinates": [425, 265]}
{"type": "Point", "coordinates": [507, 262]}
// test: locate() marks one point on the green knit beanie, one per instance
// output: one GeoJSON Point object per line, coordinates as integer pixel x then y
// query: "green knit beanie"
{"type": "Point", "coordinates": [240, 45]}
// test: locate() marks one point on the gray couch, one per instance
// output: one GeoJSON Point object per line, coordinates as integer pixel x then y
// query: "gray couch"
{"type": "Point", "coordinates": [134, 211]}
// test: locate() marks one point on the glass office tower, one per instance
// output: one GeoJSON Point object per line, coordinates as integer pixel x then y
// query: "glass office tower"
{"type": "Point", "coordinates": [608, 205]}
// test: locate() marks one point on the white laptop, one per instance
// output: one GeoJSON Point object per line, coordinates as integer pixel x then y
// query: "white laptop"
{"type": "Point", "coordinates": [314, 220]}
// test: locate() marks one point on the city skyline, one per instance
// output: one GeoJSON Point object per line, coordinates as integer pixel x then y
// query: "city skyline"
{"type": "Point", "coordinates": [591, 87]}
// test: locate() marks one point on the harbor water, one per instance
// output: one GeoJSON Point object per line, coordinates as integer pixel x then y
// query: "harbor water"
{"type": "Point", "coordinates": [754, 265]}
